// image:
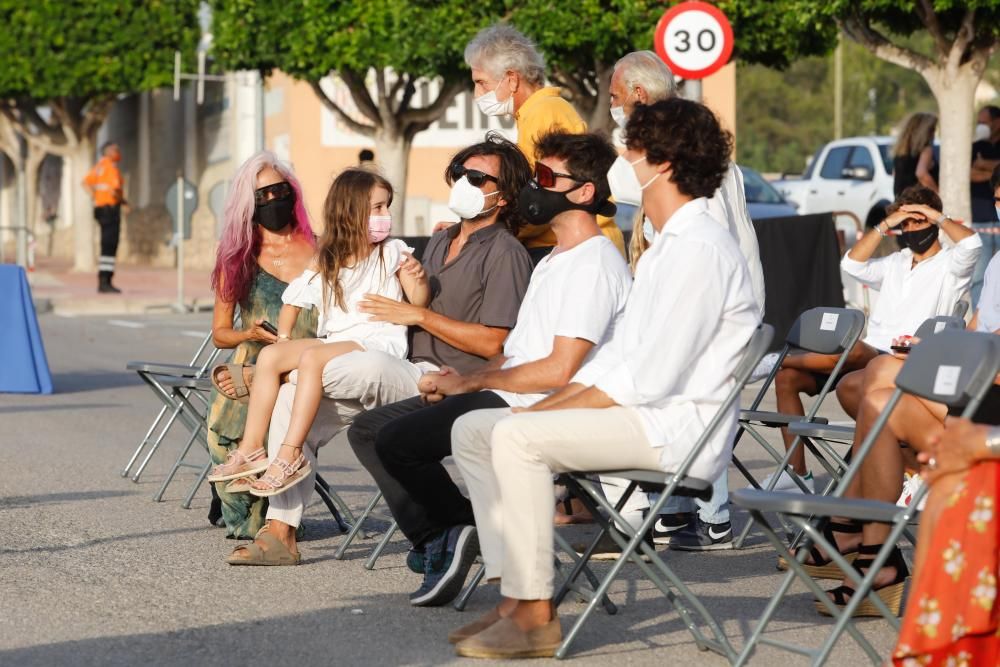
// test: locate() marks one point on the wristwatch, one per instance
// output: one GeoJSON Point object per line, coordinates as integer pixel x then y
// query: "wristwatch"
{"type": "Point", "coordinates": [942, 219]}
{"type": "Point", "coordinates": [993, 441]}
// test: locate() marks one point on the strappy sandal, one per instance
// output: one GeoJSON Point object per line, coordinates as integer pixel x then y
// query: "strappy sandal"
{"type": "Point", "coordinates": [891, 593]}
{"type": "Point", "coordinates": [241, 485]}
{"type": "Point", "coordinates": [275, 553]}
{"type": "Point", "coordinates": [822, 567]}
{"type": "Point", "coordinates": [284, 476]}
{"type": "Point", "coordinates": [239, 465]}
{"type": "Point", "coordinates": [240, 388]}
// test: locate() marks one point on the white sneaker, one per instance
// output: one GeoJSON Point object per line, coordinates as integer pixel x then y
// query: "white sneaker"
{"type": "Point", "coordinates": [786, 483]}
{"type": "Point", "coordinates": [764, 368]}
{"type": "Point", "coordinates": [911, 486]}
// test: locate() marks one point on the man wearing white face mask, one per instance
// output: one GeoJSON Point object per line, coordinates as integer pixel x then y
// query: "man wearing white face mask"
{"type": "Point", "coordinates": [509, 77]}
{"type": "Point", "coordinates": [642, 78]}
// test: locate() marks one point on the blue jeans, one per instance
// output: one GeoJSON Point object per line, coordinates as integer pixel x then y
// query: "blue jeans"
{"type": "Point", "coordinates": [991, 244]}
{"type": "Point", "coordinates": [715, 510]}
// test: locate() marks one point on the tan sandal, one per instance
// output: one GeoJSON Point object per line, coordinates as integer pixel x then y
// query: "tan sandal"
{"type": "Point", "coordinates": [241, 485]}
{"type": "Point", "coordinates": [239, 465]}
{"type": "Point", "coordinates": [276, 552]}
{"type": "Point", "coordinates": [281, 476]}
{"type": "Point", "coordinates": [241, 389]}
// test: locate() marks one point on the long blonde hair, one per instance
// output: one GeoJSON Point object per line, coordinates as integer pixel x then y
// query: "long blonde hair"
{"type": "Point", "coordinates": [344, 242]}
{"type": "Point", "coordinates": [916, 135]}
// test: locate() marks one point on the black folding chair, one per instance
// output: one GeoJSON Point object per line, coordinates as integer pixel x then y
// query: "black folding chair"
{"type": "Point", "coordinates": [631, 542]}
{"type": "Point", "coordinates": [956, 368]}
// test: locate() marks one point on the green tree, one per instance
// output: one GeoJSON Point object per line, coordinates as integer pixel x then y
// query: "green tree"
{"type": "Point", "coordinates": [582, 40]}
{"type": "Point", "coordinates": [786, 115]}
{"type": "Point", "coordinates": [65, 63]}
{"type": "Point", "coordinates": [382, 50]}
{"type": "Point", "coordinates": [960, 38]}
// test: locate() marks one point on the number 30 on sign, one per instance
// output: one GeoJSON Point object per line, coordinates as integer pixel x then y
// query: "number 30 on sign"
{"type": "Point", "coordinates": [694, 39]}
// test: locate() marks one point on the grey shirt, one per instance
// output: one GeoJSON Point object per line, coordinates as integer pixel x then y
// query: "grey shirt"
{"type": "Point", "coordinates": [483, 285]}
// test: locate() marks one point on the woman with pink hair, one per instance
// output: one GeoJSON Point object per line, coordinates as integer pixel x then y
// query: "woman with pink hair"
{"type": "Point", "coordinates": [267, 241]}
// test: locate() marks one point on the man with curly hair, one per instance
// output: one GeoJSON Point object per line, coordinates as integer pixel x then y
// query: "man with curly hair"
{"type": "Point", "coordinates": [688, 319]}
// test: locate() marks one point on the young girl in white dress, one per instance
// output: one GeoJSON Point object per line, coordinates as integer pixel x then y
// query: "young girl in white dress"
{"type": "Point", "coordinates": [354, 257]}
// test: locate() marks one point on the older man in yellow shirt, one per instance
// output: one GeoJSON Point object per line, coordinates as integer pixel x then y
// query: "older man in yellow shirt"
{"type": "Point", "coordinates": [509, 77]}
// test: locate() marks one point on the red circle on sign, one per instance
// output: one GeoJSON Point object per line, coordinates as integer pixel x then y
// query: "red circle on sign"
{"type": "Point", "coordinates": [714, 12]}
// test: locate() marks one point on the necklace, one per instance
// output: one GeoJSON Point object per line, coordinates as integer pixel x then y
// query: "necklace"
{"type": "Point", "coordinates": [278, 259]}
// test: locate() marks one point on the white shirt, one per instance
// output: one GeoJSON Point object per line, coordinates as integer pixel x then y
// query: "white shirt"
{"type": "Point", "coordinates": [729, 207]}
{"type": "Point", "coordinates": [989, 298]}
{"type": "Point", "coordinates": [909, 294]}
{"type": "Point", "coordinates": [578, 293]}
{"type": "Point", "coordinates": [376, 275]}
{"type": "Point", "coordinates": [689, 317]}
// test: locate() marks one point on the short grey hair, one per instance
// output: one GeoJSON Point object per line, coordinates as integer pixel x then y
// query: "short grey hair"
{"type": "Point", "coordinates": [502, 48]}
{"type": "Point", "coordinates": [646, 69]}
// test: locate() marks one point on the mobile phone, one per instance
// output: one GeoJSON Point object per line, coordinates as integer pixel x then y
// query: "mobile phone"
{"type": "Point", "coordinates": [269, 328]}
{"type": "Point", "coordinates": [902, 349]}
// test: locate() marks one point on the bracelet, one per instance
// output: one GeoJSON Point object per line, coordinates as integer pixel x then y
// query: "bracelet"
{"type": "Point", "coordinates": [878, 228]}
{"type": "Point", "coordinates": [993, 441]}
{"type": "Point", "coordinates": [284, 337]}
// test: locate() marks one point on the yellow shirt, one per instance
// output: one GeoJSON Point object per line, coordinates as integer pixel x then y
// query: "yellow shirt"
{"type": "Point", "coordinates": [541, 113]}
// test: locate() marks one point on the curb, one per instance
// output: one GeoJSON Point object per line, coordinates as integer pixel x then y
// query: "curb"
{"type": "Point", "coordinates": [114, 306]}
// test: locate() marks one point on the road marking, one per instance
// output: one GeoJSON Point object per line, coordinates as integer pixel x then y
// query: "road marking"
{"type": "Point", "coordinates": [127, 324]}
{"type": "Point", "coordinates": [195, 334]}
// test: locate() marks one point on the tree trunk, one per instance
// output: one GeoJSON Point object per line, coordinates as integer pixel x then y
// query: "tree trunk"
{"type": "Point", "coordinates": [32, 169]}
{"type": "Point", "coordinates": [77, 163]}
{"type": "Point", "coordinates": [955, 95]}
{"type": "Point", "coordinates": [392, 154]}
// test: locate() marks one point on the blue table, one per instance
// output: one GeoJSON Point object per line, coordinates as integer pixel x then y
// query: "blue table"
{"type": "Point", "coordinates": [23, 367]}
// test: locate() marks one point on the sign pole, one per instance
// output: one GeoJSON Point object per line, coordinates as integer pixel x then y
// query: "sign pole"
{"type": "Point", "coordinates": [695, 40]}
{"type": "Point", "coordinates": [179, 237]}
{"type": "Point", "coordinates": [692, 89]}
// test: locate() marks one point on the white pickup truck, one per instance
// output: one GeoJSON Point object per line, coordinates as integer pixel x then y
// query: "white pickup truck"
{"type": "Point", "coordinates": [853, 174]}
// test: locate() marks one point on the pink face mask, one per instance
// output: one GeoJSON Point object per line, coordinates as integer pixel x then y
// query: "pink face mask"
{"type": "Point", "coordinates": [378, 227]}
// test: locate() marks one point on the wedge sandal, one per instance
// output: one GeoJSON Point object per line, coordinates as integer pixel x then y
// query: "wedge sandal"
{"type": "Point", "coordinates": [241, 389]}
{"type": "Point", "coordinates": [825, 568]}
{"type": "Point", "coordinates": [239, 465]}
{"type": "Point", "coordinates": [891, 594]}
{"type": "Point", "coordinates": [274, 552]}
{"type": "Point", "coordinates": [281, 476]}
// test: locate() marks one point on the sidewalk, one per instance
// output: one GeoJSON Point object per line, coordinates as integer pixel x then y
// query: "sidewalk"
{"type": "Point", "coordinates": [56, 288]}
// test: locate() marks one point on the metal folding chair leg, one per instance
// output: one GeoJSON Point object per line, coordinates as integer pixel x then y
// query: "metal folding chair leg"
{"type": "Point", "coordinates": [383, 543]}
{"type": "Point", "coordinates": [178, 464]}
{"type": "Point", "coordinates": [144, 441]}
{"type": "Point", "coordinates": [470, 588]}
{"type": "Point", "coordinates": [358, 524]}
{"type": "Point", "coordinates": [334, 503]}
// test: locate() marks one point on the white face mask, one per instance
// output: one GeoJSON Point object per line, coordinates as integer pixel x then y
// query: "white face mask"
{"type": "Point", "coordinates": [625, 185]}
{"type": "Point", "coordinates": [981, 133]}
{"type": "Point", "coordinates": [491, 106]}
{"type": "Point", "coordinates": [648, 230]}
{"type": "Point", "coordinates": [467, 201]}
{"type": "Point", "coordinates": [618, 115]}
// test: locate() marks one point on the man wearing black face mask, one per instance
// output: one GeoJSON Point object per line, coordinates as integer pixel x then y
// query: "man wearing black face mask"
{"type": "Point", "coordinates": [920, 281]}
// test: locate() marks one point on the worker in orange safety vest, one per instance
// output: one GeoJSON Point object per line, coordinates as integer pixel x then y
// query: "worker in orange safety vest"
{"type": "Point", "coordinates": [105, 186]}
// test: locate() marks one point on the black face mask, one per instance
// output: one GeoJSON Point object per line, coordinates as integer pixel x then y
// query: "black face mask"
{"type": "Point", "coordinates": [920, 240]}
{"type": "Point", "coordinates": [276, 214]}
{"type": "Point", "coordinates": [539, 206]}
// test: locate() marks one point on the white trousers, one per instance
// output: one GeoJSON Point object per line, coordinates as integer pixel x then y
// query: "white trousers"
{"type": "Point", "coordinates": [508, 462]}
{"type": "Point", "coordinates": [352, 383]}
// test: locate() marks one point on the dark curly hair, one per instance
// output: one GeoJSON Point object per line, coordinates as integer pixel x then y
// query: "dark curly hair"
{"type": "Point", "coordinates": [588, 157]}
{"type": "Point", "coordinates": [915, 194]}
{"type": "Point", "coordinates": [515, 172]}
{"type": "Point", "coordinates": [688, 136]}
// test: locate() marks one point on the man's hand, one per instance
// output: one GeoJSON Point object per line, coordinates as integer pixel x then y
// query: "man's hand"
{"type": "Point", "coordinates": [896, 218]}
{"type": "Point", "coordinates": [955, 450]}
{"type": "Point", "coordinates": [383, 309]}
{"type": "Point", "coordinates": [446, 382]}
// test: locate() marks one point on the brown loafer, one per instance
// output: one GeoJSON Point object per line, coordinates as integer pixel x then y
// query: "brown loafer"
{"type": "Point", "coordinates": [474, 628]}
{"type": "Point", "coordinates": [505, 640]}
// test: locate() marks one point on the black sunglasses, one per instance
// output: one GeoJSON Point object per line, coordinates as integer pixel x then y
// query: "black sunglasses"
{"type": "Point", "coordinates": [547, 178]}
{"type": "Point", "coordinates": [268, 193]}
{"type": "Point", "coordinates": [476, 177]}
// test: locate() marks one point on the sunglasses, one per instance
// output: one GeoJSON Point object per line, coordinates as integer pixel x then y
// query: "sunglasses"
{"type": "Point", "coordinates": [281, 190]}
{"type": "Point", "coordinates": [547, 178]}
{"type": "Point", "coordinates": [476, 177]}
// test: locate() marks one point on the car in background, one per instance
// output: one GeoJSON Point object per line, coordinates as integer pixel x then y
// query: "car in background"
{"type": "Point", "coordinates": [852, 174]}
{"type": "Point", "coordinates": [763, 200]}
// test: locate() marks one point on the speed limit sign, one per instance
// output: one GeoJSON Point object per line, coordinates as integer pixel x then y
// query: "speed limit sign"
{"type": "Point", "coordinates": [694, 39]}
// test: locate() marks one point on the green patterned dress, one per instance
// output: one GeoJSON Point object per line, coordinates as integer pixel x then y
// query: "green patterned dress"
{"type": "Point", "coordinates": [242, 512]}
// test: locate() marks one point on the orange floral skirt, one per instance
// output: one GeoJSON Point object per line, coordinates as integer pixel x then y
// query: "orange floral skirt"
{"type": "Point", "coordinates": [952, 617]}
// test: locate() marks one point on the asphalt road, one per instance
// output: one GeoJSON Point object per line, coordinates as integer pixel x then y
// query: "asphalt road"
{"type": "Point", "coordinates": [92, 572]}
